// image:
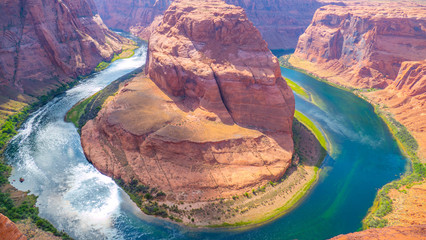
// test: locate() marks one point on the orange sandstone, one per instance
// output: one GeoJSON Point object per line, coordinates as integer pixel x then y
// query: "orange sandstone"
{"type": "Point", "coordinates": [405, 98]}
{"type": "Point", "coordinates": [362, 45]}
{"type": "Point", "coordinates": [45, 44]}
{"type": "Point", "coordinates": [214, 121]}
{"type": "Point", "coordinates": [9, 231]}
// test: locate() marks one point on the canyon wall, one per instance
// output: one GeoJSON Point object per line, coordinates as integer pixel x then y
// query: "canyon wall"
{"type": "Point", "coordinates": [280, 22]}
{"type": "Point", "coordinates": [377, 45]}
{"type": "Point", "coordinates": [213, 119]}
{"type": "Point", "coordinates": [362, 45]}
{"type": "Point", "coordinates": [405, 98]}
{"type": "Point", "coordinates": [44, 44]}
{"type": "Point", "coordinates": [9, 231]}
{"type": "Point", "coordinates": [372, 45]}
{"type": "Point", "coordinates": [135, 16]}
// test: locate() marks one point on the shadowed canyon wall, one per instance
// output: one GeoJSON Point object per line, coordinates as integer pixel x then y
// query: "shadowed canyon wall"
{"type": "Point", "coordinates": [280, 22]}
{"type": "Point", "coordinates": [44, 44]}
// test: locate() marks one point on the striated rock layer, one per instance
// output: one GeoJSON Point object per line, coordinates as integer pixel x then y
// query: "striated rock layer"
{"type": "Point", "coordinates": [214, 121]}
{"type": "Point", "coordinates": [405, 98]}
{"type": "Point", "coordinates": [367, 45]}
{"type": "Point", "coordinates": [215, 58]}
{"type": "Point", "coordinates": [395, 233]}
{"type": "Point", "coordinates": [44, 44]}
{"type": "Point", "coordinates": [8, 230]}
{"type": "Point", "coordinates": [280, 22]}
{"type": "Point", "coordinates": [363, 45]}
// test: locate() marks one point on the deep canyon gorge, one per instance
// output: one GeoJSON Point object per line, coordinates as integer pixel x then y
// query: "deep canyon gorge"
{"type": "Point", "coordinates": [199, 125]}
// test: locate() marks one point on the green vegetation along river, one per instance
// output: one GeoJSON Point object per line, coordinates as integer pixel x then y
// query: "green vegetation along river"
{"type": "Point", "coordinates": [76, 198]}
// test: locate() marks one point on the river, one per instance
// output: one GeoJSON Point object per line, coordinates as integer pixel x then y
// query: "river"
{"type": "Point", "coordinates": [76, 198]}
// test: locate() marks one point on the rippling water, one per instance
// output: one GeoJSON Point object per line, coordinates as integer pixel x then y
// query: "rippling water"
{"type": "Point", "coordinates": [75, 197]}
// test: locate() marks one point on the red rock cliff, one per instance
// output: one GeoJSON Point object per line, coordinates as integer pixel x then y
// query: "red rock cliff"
{"type": "Point", "coordinates": [368, 45]}
{"type": "Point", "coordinates": [217, 60]}
{"type": "Point", "coordinates": [214, 121]}
{"type": "Point", "coordinates": [280, 22]}
{"type": "Point", "coordinates": [405, 98]}
{"type": "Point", "coordinates": [362, 45]}
{"type": "Point", "coordinates": [44, 44]}
{"type": "Point", "coordinates": [9, 231]}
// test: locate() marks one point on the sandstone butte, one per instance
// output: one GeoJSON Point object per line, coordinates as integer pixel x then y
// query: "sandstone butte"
{"type": "Point", "coordinates": [214, 117]}
{"type": "Point", "coordinates": [373, 45]}
{"type": "Point", "coordinates": [9, 231]}
{"type": "Point", "coordinates": [280, 22]}
{"type": "Point", "coordinates": [45, 44]}
{"type": "Point", "coordinates": [394, 233]}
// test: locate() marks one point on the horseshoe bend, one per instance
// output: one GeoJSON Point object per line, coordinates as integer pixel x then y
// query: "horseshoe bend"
{"type": "Point", "coordinates": [210, 117]}
{"type": "Point", "coordinates": [206, 117]}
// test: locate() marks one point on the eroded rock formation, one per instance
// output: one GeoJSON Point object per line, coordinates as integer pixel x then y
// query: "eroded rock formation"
{"type": "Point", "coordinates": [214, 121]}
{"type": "Point", "coordinates": [362, 45]}
{"type": "Point", "coordinates": [8, 230]}
{"type": "Point", "coordinates": [215, 58]}
{"type": "Point", "coordinates": [373, 45]}
{"type": "Point", "coordinates": [405, 98]}
{"type": "Point", "coordinates": [395, 233]}
{"type": "Point", "coordinates": [44, 44]}
{"type": "Point", "coordinates": [280, 22]}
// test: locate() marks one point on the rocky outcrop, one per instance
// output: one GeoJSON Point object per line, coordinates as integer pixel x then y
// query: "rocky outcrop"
{"type": "Point", "coordinates": [362, 45]}
{"type": "Point", "coordinates": [9, 231]}
{"type": "Point", "coordinates": [214, 121]}
{"type": "Point", "coordinates": [367, 45]}
{"type": "Point", "coordinates": [395, 233]}
{"type": "Point", "coordinates": [280, 22]}
{"type": "Point", "coordinates": [44, 44]}
{"type": "Point", "coordinates": [405, 98]}
{"type": "Point", "coordinates": [217, 60]}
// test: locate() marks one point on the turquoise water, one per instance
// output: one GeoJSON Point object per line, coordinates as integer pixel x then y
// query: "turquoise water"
{"type": "Point", "coordinates": [75, 197]}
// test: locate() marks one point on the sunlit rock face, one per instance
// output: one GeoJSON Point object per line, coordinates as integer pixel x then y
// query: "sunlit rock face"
{"type": "Point", "coordinates": [373, 45]}
{"type": "Point", "coordinates": [9, 231]}
{"type": "Point", "coordinates": [405, 97]}
{"type": "Point", "coordinates": [212, 117]}
{"type": "Point", "coordinates": [362, 45]}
